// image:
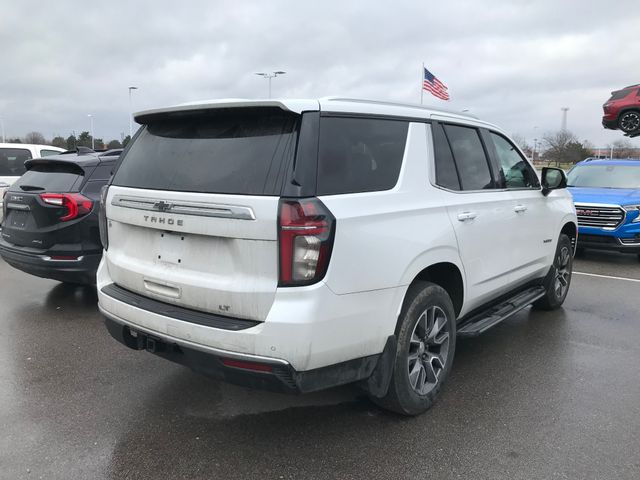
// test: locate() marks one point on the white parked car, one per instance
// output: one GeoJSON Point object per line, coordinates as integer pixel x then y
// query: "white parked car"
{"type": "Point", "coordinates": [12, 158]}
{"type": "Point", "coordinates": [299, 245]}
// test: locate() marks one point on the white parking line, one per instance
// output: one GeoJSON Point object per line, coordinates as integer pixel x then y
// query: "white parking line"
{"type": "Point", "coordinates": [608, 276]}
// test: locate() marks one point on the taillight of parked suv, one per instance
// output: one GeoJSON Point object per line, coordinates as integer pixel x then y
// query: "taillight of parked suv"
{"type": "Point", "coordinates": [74, 204]}
{"type": "Point", "coordinates": [305, 234]}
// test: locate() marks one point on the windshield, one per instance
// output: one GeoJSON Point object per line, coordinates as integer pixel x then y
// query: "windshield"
{"type": "Point", "coordinates": [605, 176]}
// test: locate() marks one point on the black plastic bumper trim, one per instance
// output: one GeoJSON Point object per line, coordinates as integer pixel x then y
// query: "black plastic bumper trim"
{"type": "Point", "coordinates": [173, 311]}
{"type": "Point", "coordinates": [282, 378]}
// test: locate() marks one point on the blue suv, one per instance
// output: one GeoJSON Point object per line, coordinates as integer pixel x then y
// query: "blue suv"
{"type": "Point", "coordinates": [607, 198]}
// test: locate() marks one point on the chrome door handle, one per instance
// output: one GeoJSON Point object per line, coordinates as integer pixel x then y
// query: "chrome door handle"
{"type": "Point", "coordinates": [520, 208]}
{"type": "Point", "coordinates": [465, 216]}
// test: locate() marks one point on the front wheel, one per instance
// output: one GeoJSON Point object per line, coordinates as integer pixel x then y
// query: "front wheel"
{"type": "Point", "coordinates": [424, 354]}
{"type": "Point", "coordinates": [559, 279]}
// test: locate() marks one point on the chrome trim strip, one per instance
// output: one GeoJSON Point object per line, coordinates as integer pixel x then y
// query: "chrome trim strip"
{"type": "Point", "coordinates": [197, 346]}
{"type": "Point", "coordinates": [18, 206]}
{"type": "Point", "coordinates": [236, 212]}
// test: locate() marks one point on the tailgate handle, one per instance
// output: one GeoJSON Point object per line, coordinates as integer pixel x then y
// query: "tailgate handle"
{"type": "Point", "coordinates": [160, 289]}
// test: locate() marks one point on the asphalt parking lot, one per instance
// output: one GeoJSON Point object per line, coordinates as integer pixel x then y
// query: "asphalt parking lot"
{"type": "Point", "coordinates": [541, 396]}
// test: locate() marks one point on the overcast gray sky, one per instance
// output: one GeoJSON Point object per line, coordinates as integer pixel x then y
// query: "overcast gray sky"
{"type": "Point", "coordinates": [512, 62]}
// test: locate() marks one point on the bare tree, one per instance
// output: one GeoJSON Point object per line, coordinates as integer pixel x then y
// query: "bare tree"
{"type": "Point", "coordinates": [564, 147]}
{"type": "Point", "coordinates": [35, 137]}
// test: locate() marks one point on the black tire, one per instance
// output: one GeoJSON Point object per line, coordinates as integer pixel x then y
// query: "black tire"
{"type": "Point", "coordinates": [629, 121]}
{"type": "Point", "coordinates": [559, 279]}
{"type": "Point", "coordinates": [431, 354]}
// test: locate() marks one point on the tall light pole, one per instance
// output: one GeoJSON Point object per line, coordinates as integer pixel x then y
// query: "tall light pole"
{"type": "Point", "coordinates": [564, 117]}
{"type": "Point", "coordinates": [2, 125]}
{"type": "Point", "coordinates": [535, 142]}
{"type": "Point", "coordinates": [269, 76]}
{"type": "Point", "coordinates": [131, 112]}
{"type": "Point", "coordinates": [93, 143]}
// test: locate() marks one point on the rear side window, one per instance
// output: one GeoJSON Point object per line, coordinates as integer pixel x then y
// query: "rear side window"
{"type": "Point", "coordinates": [446, 174]}
{"type": "Point", "coordinates": [55, 178]}
{"type": "Point", "coordinates": [470, 158]}
{"type": "Point", "coordinates": [619, 94]}
{"type": "Point", "coordinates": [12, 161]}
{"type": "Point", "coordinates": [359, 154]}
{"type": "Point", "coordinates": [236, 151]}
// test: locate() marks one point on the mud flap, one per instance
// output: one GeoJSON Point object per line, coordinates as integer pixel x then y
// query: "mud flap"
{"type": "Point", "coordinates": [377, 384]}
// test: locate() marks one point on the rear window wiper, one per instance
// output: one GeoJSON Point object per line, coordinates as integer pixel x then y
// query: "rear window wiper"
{"type": "Point", "coordinates": [30, 188]}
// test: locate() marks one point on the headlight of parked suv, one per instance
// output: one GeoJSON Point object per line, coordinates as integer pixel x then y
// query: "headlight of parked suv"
{"type": "Point", "coordinates": [633, 208]}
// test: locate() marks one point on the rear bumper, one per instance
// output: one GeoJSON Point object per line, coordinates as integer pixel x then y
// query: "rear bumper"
{"type": "Point", "coordinates": [321, 339]}
{"type": "Point", "coordinates": [82, 270]}
{"type": "Point", "coordinates": [238, 368]}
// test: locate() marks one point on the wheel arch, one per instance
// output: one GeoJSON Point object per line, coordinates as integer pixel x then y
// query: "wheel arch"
{"type": "Point", "coordinates": [446, 275]}
{"type": "Point", "coordinates": [571, 230]}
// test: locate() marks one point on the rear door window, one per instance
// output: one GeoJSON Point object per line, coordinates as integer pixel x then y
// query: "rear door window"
{"type": "Point", "coordinates": [359, 154]}
{"type": "Point", "coordinates": [470, 157]}
{"type": "Point", "coordinates": [55, 178]}
{"type": "Point", "coordinates": [237, 151]}
{"type": "Point", "coordinates": [12, 161]}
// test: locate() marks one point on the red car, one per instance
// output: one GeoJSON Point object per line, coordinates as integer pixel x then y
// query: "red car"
{"type": "Point", "coordinates": [622, 110]}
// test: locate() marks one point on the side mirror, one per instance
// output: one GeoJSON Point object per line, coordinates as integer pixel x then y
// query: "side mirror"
{"type": "Point", "coordinates": [553, 179]}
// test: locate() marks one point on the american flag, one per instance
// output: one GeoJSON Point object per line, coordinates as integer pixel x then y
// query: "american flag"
{"type": "Point", "coordinates": [431, 84]}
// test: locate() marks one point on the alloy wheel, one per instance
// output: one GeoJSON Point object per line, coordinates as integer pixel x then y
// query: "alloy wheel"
{"type": "Point", "coordinates": [630, 122]}
{"type": "Point", "coordinates": [563, 272]}
{"type": "Point", "coordinates": [428, 350]}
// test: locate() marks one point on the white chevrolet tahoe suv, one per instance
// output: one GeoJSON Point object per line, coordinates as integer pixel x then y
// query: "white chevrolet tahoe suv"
{"type": "Point", "coordinates": [298, 245]}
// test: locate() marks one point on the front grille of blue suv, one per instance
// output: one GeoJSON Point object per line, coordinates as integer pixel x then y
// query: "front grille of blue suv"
{"type": "Point", "coordinates": [606, 194]}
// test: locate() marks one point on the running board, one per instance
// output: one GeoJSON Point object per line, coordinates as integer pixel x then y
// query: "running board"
{"type": "Point", "coordinates": [483, 321]}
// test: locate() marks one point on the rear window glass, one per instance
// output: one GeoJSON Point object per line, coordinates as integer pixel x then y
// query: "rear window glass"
{"type": "Point", "coordinates": [359, 154]}
{"type": "Point", "coordinates": [12, 161]}
{"type": "Point", "coordinates": [240, 151]}
{"type": "Point", "coordinates": [45, 153]}
{"type": "Point", "coordinates": [619, 94]}
{"type": "Point", "coordinates": [54, 178]}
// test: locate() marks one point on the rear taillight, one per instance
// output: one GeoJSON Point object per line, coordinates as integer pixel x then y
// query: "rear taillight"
{"type": "Point", "coordinates": [305, 234]}
{"type": "Point", "coordinates": [77, 205]}
{"type": "Point", "coordinates": [102, 217]}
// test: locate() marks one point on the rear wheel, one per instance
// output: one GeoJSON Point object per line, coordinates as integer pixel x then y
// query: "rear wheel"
{"type": "Point", "coordinates": [559, 280]}
{"type": "Point", "coordinates": [629, 121]}
{"type": "Point", "coordinates": [426, 346]}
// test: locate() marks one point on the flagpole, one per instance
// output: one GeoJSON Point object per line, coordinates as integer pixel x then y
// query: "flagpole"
{"type": "Point", "coordinates": [421, 84]}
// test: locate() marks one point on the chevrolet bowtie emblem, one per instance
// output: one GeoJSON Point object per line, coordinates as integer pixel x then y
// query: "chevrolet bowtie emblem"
{"type": "Point", "coordinates": [162, 206]}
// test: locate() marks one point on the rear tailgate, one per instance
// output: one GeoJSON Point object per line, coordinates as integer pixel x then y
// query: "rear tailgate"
{"type": "Point", "coordinates": [225, 264]}
{"type": "Point", "coordinates": [31, 222]}
{"type": "Point", "coordinates": [193, 210]}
